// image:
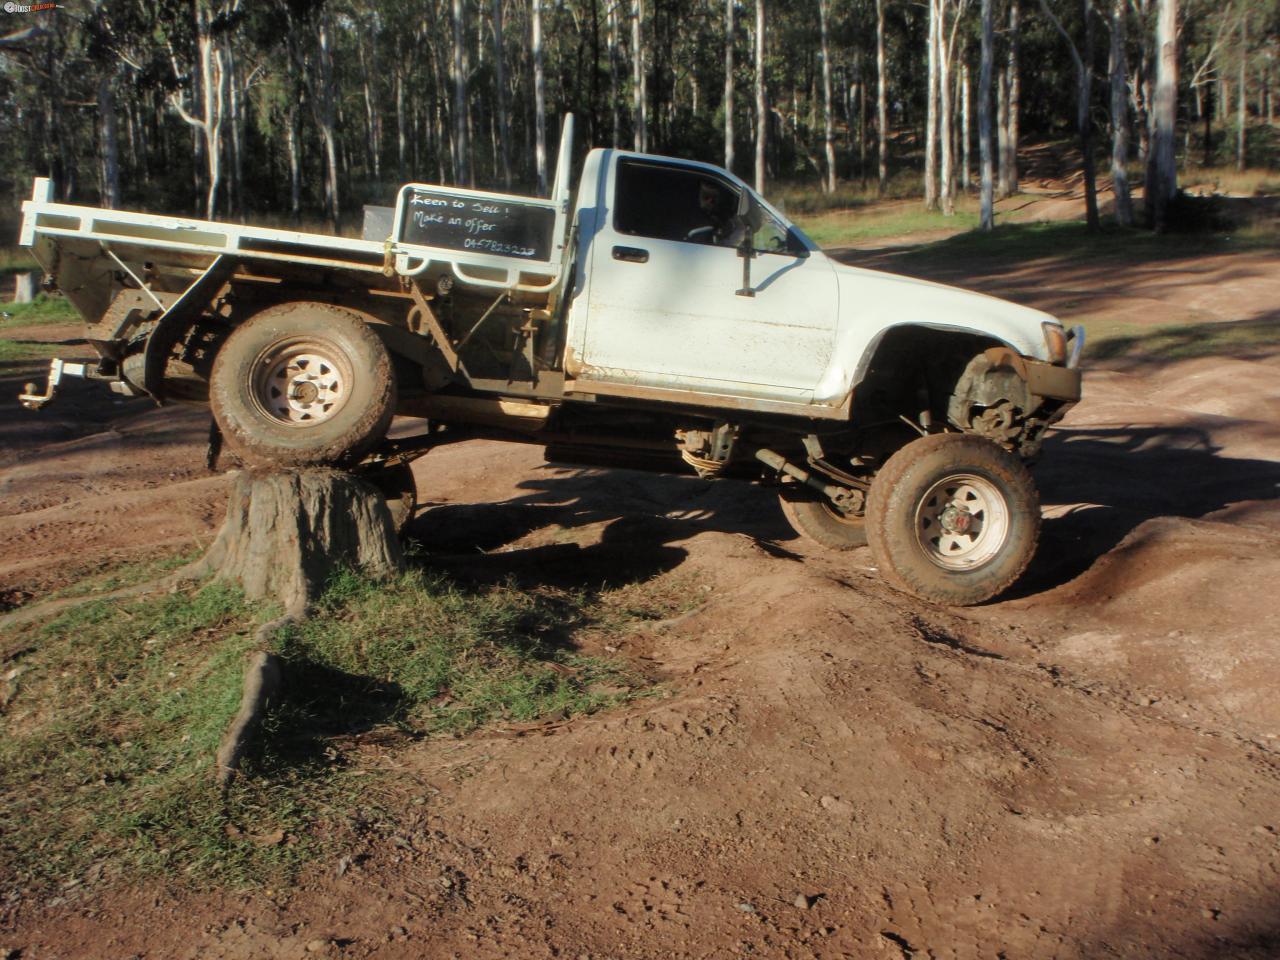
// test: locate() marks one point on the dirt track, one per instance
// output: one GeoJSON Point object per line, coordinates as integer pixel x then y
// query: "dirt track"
{"type": "Point", "coordinates": [1088, 768]}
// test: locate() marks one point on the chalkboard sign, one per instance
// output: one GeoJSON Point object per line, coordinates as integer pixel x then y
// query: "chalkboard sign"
{"type": "Point", "coordinates": [477, 225]}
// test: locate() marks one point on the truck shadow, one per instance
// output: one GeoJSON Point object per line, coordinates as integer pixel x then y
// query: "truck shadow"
{"type": "Point", "coordinates": [605, 527]}
{"type": "Point", "coordinates": [1099, 483]}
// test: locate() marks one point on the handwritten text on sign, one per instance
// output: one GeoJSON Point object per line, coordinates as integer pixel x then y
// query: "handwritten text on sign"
{"type": "Point", "coordinates": [495, 227]}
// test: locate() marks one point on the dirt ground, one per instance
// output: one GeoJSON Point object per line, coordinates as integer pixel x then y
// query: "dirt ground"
{"type": "Point", "coordinates": [1089, 767]}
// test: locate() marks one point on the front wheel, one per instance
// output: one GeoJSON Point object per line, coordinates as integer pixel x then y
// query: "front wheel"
{"type": "Point", "coordinates": [953, 518]}
{"type": "Point", "coordinates": [303, 384]}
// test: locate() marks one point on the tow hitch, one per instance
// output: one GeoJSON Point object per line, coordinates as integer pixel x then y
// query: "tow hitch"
{"type": "Point", "coordinates": [57, 370]}
{"type": "Point", "coordinates": [67, 368]}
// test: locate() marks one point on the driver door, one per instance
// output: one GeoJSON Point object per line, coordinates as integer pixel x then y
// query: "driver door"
{"type": "Point", "coordinates": [663, 303]}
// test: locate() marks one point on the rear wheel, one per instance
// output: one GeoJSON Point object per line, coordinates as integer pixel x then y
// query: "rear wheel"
{"type": "Point", "coordinates": [303, 384]}
{"type": "Point", "coordinates": [953, 518]}
{"type": "Point", "coordinates": [816, 518]}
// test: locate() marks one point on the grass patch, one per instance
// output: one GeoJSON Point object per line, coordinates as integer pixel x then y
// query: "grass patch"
{"type": "Point", "coordinates": [838, 228]}
{"type": "Point", "coordinates": [115, 711]}
{"type": "Point", "coordinates": [1241, 339]}
{"type": "Point", "coordinates": [43, 309]}
{"type": "Point", "coordinates": [1071, 240]}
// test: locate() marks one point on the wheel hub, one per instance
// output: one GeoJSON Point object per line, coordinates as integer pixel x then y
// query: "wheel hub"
{"type": "Point", "coordinates": [955, 519]}
{"type": "Point", "coordinates": [962, 522]}
{"type": "Point", "coordinates": [301, 382]}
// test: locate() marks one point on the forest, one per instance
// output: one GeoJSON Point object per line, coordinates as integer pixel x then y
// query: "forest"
{"type": "Point", "coordinates": [304, 110]}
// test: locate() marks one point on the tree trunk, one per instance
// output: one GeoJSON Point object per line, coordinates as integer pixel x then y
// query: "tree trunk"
{"type": "Point", "coordinates": [401, 131]}
{"type": "Point", "coordinates": [828, 123]}
{"type": "Point", "coordinates": [639, 80]}
{"type": "Point", "coordinates": [984, 117]}
{"type": "Point", "coordinates": [966, 128]}
{"type": "Point", "coordinates": [1002, 133]}
{"type": "Point", "coordinates": [286, 534]}
{"type": "Point", "coordinates": [1119, 115]}
{"type": "Point", "coordinates": [615, 112]}
{"type": "Point", "coordinates": [322, 99]}
{"type": "Point", "coordinates": [931, 112]}
{"type": "Point", "coordinates": [1014, 106]}
{"type": "Point", "coordinates": [500, 80]}
{"type": "Point", "coordinates": [26, 284]}
{"type": "Point", "coordinates": [1244, 109]}
{"type": "Point", "coordinates": [1084, 89]}
{"type": "Point", "coordinates": [762, 112]}
{"type": "Point", "coordinates": [295, 165]}
{"type": "Point", "coordinates": [728, 84]}
{"type": "Point", "coordinates": [461, 128]}
{"type": "Point", "coordinates": [1162, 171]}
{"type": "Point", "coordinates": [862, 131]}
{"type": "Point", "coordinates": [110, 152]}
{"type": "Point", "coordinates": [539, 100]}
{"type": "Point", "coordinates": [882, 100]}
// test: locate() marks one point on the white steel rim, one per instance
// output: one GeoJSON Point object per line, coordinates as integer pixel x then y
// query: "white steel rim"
{"type": "Point", "coordinates": [302, 382]}
{"type": "Point", "coordinates": [962, 522]}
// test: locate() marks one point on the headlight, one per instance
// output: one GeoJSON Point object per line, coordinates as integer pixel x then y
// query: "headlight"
{"type": "Point", "coordinates": [1055, 338]}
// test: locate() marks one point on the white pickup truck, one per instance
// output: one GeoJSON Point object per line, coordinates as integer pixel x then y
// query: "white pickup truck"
{"type": "Point", "coordinates": [660, 316]}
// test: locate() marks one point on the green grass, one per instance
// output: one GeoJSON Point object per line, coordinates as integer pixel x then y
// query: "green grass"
{"type": "Point", "coordinates": [837, 228]}
{"type": "Point", "coordinates": [1241, 339]}
{"type": "Point", "coordinates": [1071, 240]}
{"type": "Point", "coordinates": [44, 309]}
{"type": "Point", "coordinates": [116, 709]}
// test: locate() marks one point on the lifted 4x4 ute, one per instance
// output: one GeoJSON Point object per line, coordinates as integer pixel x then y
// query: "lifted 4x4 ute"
{"type": "Point", "coordinates": [659, 316]}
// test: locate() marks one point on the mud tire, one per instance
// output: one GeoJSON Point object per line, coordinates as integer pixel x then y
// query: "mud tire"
{"type": "Point", "coordinates": [263, 439]}
{"type": "Point", "coordinates": [899, 506]}
{"type": "Point", "coordinates": [816, 519]}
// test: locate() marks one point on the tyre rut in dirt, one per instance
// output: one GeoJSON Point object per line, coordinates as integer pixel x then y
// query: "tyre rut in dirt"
{"type": "Point", "coordinates": [303, 384]}
{"type": "Point", "coordinates": [816, 518]}
{"type": "Point", "coordinates": [953, 518]}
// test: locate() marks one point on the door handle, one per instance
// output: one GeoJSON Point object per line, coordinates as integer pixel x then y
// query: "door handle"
{"type": "Point", "coordinates": [631, 254]}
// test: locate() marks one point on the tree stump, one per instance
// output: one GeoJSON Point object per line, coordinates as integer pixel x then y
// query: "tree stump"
{"type": "Point", "coordinates": [25, 287]}
{"type": "Point", "coordinates": [286, 534]}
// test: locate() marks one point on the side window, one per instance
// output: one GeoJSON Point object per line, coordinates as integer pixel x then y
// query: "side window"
{"type": "Point", "coordinates": [674, 203]}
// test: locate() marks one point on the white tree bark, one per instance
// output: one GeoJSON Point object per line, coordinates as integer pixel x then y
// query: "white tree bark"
{"type": "Point", "coordinates": [882, 99]}
{"type": "Point", "coordinates": [828, 122]}
{"type": "Point", "coordinates": [931, 113]}
{"type": "Point", "coordinates": [500, 79]}
{"type": "Point", "coordinates": [209, 124]}
{"type": "Point", "coordinates": [461, 128]}
{"type": "Point", "coordinates": [988, 218]}
{"type": "Point", "coordinates": [1244, 106]}
{"type": "Point", "coordinates": [324, 109]}
{"type": "Point", "coordinates": [1162, 175]}
{"type": "Point", "coordinates": [639, 80]}
{"type": "Point", "coordinates": [1119, 69]}
{"type": "Point", "coordinates": [762, 111]}
{"type": "Point", "coordinates": [110, 151]}
{"type": "Point", "coordinates": [1015, 101]}
{"type": "Point", "coordinates": [615, 111]}
{"type": "Point", "coordinates": [539, 99]}
{"type": "Point", "coordinates": [728, 84]}
{"type": "Point", "coordinates": [966, 130]}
